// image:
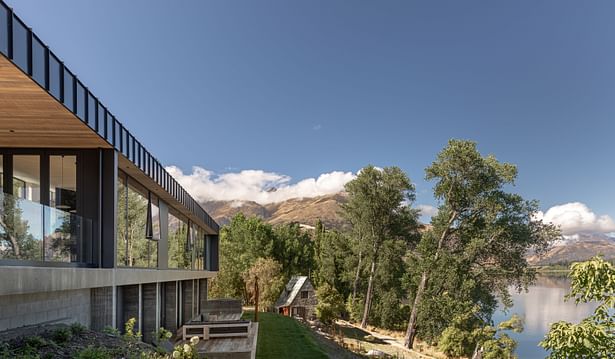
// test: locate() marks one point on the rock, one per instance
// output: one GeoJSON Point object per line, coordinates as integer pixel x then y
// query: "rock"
{"type": "Point", "coordinates": [376, 354]}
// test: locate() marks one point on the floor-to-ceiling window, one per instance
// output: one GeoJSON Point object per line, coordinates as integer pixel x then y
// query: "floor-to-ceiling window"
{"type": "Point", "coordinates": [62, 225]}
{"type": "Point", "coordinates": [39, 223]}
{"type": "Point", "coordinates": [134, 248]}
{"type": "Point", "coordinates": [180, 253]}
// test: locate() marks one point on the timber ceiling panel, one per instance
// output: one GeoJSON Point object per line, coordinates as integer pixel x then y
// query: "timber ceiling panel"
{"type": "Point", "coordinates": [31, 117]}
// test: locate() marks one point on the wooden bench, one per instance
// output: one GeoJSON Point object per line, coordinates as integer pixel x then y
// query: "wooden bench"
{"type": "Point", "coordinates": [207, 330]}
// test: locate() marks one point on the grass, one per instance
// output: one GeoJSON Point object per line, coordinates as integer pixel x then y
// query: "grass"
{"type": "Point", "coordinates": [284, 337]}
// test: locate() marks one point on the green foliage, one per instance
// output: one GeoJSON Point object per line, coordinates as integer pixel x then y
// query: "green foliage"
{"type": "Point", "coordinates": [129, 330]}
{"type": "Point", "coordinates": [109, 330]}
{"type": "Point", "coordinates": [330, 304]}
{"type": "Point", "coordinates": [186, 351]}
{"type": "Point", "coordinates": [242, 241]}
{"type": "Point", "coordinates": [468, 335]}
{"type": "Point", "coordinates": [594, 336]}
{"type": "Point", "coordinates": [36, 342]}
{"type": "Point", "coordinates": [93, 352]}
{"type": "Point", "coordinates": [61, 335]}
{"type": "Point", "coordinates": [476, 246]}
{"type": "Point", "coordinates": [161, 335]}
{"type": "Point", "coordinates": [378, 211]}
{"type": "Point", "coordinates": [293, 249]}
{"type": "Point", "coordinates": [77, 329]}
{"type": "Point", "coordinates": [270, 281]}
{"type": "Point", "coordinates": [245, 240]}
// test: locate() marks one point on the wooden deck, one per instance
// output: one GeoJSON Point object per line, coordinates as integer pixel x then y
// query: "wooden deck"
{"type": "Point", "coordinates": [226, 348]}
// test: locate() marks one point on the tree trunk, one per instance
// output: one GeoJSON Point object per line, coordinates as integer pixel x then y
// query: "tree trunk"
{"type": "Point", "coordinates": [411, 331]}
{"type": "Point", "coordinates": [368, 297]}
{"type": "Point", "coordinates": [356, 280]}
{"type": "Point", "coordinates": [12, 238]}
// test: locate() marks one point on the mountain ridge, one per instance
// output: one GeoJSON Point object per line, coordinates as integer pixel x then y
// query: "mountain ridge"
{"type": "Point", "coordinates": [327, 208]}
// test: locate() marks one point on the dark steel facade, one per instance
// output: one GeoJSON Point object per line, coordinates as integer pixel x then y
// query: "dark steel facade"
{"type": "Point", "coordinates": [26, 50]}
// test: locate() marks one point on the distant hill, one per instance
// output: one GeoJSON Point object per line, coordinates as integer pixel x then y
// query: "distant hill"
{"type": "Point", "coordinates": [302, 210]}
{"type": "Point", "coordinates": [578, 248]}
{"type": "Point", "coordinates": [327, 208]}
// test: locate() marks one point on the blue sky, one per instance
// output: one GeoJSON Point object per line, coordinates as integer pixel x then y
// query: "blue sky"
{"type": "Point", "coordinates": [305, 88]}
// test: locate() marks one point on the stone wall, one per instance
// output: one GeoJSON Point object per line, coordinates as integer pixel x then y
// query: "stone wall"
{"type": "Point", "coordinates": [308, 303]}
{"type": "Point", "coordinates": [68, 306]}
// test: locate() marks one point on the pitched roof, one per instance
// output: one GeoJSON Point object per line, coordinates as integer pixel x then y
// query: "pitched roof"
{"type": "Point", "coordinates": [291, 290]}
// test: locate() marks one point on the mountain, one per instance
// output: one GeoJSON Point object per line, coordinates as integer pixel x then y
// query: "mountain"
{"type": "Point", "coordinates": [302, 210]}
{"type": "Point", "coordinates": [327, 208]}
{"type": "Point", "coordinates": [578, 247]}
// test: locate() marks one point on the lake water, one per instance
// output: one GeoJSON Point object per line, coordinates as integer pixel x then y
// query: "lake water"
{"type": "Point", "coordinates": [542, 305]}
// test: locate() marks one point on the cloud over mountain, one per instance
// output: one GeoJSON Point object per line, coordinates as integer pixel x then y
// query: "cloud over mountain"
{"type": "Point", "coordinates": [577, 217]}
{"type": "Point", "coordinates": [256, 185]}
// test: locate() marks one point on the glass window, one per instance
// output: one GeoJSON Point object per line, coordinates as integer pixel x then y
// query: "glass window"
{"type": "Point", "coordinates": [180, 255]}
{"type": "Point", "coordinates": [61, 223]}
{"type": "Point", "coordinates": [20, 44]}
{"type": "Point", "coordinates": [68, 89]}
{"type": "Point", "coordinates": [155, 218]}
{"type": "Point", "coordinates": [38, 61]}
{"type": "Point", "coordinates": [27, 177]}
{"type": "Point", "coordinates": [92, 111]}
{"type": "Point", "coordinates": [21, 234]}
{"type": "Point", "coordinates": [122, 241]}
{"type": "Point", "coordinates": [137, 250]}
{"type": "Point", "coordinates": [4, 43]}
{"type": "Point", "coordinates": [63, 182]}
{"type": "Point", "coordinates": [54, 76]}
{"type": "Point", "coordinates": [80, 101]}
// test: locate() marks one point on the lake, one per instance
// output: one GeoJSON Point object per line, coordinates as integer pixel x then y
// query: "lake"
{"type": "Point", "coordinates": [542, 305]}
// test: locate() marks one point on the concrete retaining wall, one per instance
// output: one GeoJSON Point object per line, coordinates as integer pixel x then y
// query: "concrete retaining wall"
{"type": "Point", "coordinates": [68, 306]}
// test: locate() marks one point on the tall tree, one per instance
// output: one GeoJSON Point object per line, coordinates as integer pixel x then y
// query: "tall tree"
{"type": "Point", "coordinates": [378, 209]}
{"type": "Point", "coordinates": [480, 227]}
{"type": "Point", "coordinates": [268, 274]}
{"type": "Point", "coordinates": [293, 249]}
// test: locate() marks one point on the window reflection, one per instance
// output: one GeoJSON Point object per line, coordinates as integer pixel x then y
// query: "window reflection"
{"type": "Point", "coordinates": [134, 249]}
{"type": "Point", "coordinates": [180, 254]}
{"type": "Point", "coordinates": [61, 224]}
{"type": "Point", "coordinates": [21, 228]}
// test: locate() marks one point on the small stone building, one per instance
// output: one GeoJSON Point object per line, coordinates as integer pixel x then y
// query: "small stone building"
{"type": "Point", "coordinates": [298, 299]}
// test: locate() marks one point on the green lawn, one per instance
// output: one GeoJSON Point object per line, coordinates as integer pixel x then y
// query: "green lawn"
{"type": "Point", "coordinates": [284, 337]}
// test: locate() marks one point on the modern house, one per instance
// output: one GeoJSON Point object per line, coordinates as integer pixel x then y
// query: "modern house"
{"type": "Point", "coordinates": [93, 229]}
{"type": "Point", "coordinates": [298, 299]}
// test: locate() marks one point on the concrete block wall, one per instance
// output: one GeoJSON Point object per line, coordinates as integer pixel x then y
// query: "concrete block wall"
{"type": "Point", "coordinates": [68, 306]}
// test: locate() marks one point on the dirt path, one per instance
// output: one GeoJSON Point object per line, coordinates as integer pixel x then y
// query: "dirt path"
{"type": "Point", "coordinates": [396, 347]}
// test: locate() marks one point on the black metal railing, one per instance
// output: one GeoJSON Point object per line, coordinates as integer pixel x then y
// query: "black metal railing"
{"type": "Point", "coordinates": [20, 45]}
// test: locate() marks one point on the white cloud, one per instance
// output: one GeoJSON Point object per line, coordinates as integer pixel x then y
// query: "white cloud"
{"type": "Point", "coordinates": [427, 210]}
{"type": "Point", "coordinates": [256, 185]}
{"type": "Point", "coordinates": [576, 217]}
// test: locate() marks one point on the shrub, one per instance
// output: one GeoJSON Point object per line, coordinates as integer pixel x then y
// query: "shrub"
{"type": "Point", "coordinates": [129, 330]}
{"type": "Point", "coordinates": [61, 335]}
{"type": "Point", "coordinates": [92, 352]}
{"type": "Point", "coordinates": [77, 328]}
{"type": "Point", "coordinates": [114, 332]}
{"type": "Point", "coordinates": [35, 342]}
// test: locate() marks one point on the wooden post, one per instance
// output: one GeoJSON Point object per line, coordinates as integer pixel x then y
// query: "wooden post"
{"type": "Point", "coordinates": [256, 295]}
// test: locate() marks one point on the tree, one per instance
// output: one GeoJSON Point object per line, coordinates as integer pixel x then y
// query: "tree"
{"type": "Point", "coordinates": [480, 228]}
{"type": "Point", "coordinates": [469, 336]}
{"type": "Point", "coordinates": [330, 303]}
{"type": "Point", "coordinates": [242, 241]}
{"type": "Point", "coordinates": [378, 211]}
{"type": "Point", "coordinates": [16, 239]}
{"type": "Point", "coordinates": [594, 336]}
{"type": "Point", "coordinates": [293, 249]}
{"type": "Point", "coordinates": [268, 273]}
